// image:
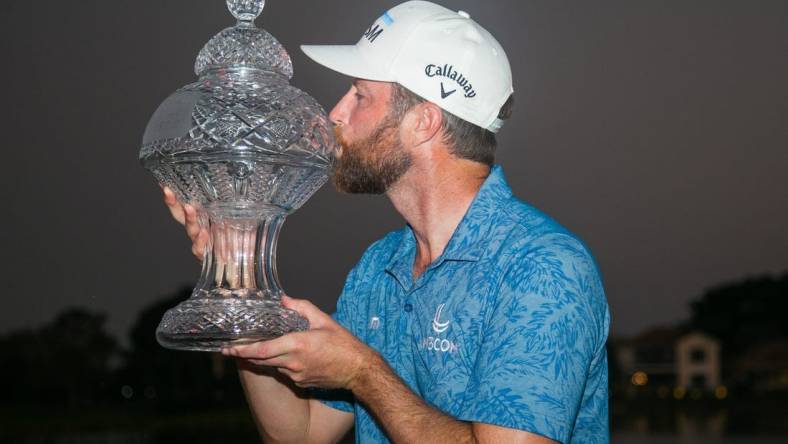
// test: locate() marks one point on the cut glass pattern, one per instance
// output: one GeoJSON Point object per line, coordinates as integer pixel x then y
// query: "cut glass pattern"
{"type": "Point", "coordinates": [246, 149]}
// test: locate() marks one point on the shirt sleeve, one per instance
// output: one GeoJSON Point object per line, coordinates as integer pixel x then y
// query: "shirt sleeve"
{"type": "Point", "coordinates": [542, 333]}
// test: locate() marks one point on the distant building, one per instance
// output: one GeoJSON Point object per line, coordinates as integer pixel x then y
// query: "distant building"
{"type": "Point", "coordinates": [698, 362]}
{"type": "Point", "coordinates": [668, 362]}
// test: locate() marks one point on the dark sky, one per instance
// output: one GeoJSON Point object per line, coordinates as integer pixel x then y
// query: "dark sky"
{"type": "Point", "coordinates": [656, 131]}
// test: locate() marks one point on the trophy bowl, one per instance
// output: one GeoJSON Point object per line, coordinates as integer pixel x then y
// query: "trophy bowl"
{"type": "Point", "coordinates": [246, 149]}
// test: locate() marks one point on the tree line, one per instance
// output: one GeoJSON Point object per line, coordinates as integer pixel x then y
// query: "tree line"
{"type": "Point", "coordinates": [73, 362]}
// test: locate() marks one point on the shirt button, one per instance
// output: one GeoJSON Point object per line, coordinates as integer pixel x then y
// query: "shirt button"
{"type": "Point", "coordinates": [408, 307]}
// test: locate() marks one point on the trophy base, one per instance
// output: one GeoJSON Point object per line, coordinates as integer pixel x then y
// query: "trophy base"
{"type": "Point", "coordinates": [210, 324]}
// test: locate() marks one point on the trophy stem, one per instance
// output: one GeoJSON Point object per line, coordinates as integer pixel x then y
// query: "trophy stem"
{"type": "Point", "coordinates": [240, 258]}
{"type": "Point", "coordinates": [238, 297]}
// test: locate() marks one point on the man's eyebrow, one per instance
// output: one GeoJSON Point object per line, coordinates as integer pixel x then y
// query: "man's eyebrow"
{"type": "Point", "coordinates": [356, 83]}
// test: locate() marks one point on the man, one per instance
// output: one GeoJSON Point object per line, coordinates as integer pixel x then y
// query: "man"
{"type": "Point", "coordinates": [482, 320]}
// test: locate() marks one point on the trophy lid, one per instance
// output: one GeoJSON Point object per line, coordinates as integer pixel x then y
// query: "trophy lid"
{"type": "Point", "coordinates": [244, 45]}
{"type": "Point", "coordinates": [240, 135]}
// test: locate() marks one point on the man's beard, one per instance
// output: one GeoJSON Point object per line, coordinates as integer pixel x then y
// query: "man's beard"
{"type": "Point", "coordinates": [373, 164]}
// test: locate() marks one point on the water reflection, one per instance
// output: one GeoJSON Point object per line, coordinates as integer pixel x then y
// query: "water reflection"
{"type": "Point", "coordinates": [634, 438]}
{"type": "Point", "coordinates": [762, 421]}
{"type": "Point", "coordinates": [111, 437]}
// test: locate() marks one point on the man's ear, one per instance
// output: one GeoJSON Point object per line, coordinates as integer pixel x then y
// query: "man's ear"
{"type": "Point", "coordinates": [428, 122]}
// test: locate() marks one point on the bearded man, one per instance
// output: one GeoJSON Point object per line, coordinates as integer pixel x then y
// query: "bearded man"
{"type": "Point", "coordinates": [482, 320]}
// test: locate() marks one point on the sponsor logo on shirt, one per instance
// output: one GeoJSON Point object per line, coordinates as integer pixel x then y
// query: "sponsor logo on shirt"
{"type": "Point", "coordinates": [434, 343]}
{"type": "Point", "coordinates": [437, 325]}
{"type": "Point", "coordinates": [440, 345]}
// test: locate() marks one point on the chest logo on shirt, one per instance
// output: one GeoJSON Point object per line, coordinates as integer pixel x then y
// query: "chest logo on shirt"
{"type": "Point", "coordinates": [374, 323]}
{"type": "Point", "coordinates": [437, 325]}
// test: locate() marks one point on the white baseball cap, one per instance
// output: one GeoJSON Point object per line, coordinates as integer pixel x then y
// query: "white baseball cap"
{"type": "Point", "coordinates": [440, 55]}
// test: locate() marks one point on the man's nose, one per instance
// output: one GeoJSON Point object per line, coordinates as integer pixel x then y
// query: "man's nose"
{"type": "Point", "coordinates": [339, 114]}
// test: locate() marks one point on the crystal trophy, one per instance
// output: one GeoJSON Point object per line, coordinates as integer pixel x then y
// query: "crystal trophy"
{"type": "Point", "coordinates": [246, 149]}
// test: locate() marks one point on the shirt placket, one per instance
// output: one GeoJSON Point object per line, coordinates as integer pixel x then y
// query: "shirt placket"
{"type": "Point", "coordinates": [404, 314]}
{"type": "Point", "coordinates": [411, 300]}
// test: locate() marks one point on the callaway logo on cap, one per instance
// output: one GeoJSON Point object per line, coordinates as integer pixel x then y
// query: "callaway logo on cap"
{"type": "Point", "coordinates": [438, 54]}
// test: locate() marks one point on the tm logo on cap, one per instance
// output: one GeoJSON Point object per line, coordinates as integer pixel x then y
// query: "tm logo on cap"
{"type": "Point", "coordinates": [449, 72]}
{"type": "Point", "coordinates": [373, 32]}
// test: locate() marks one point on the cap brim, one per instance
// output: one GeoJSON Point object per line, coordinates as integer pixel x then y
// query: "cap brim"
{"type": "Point", "coordinates": [347, 60]}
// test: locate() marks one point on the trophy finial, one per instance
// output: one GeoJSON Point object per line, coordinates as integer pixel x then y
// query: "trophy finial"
{"type": "Point", "coordinates": [245, 10]}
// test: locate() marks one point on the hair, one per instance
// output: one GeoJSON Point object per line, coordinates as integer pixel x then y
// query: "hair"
{"type": "Point", "coordinates": [465, 140]}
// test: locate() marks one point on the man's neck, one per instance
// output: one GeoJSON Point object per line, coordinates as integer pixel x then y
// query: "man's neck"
{"type": "Point", "coordinates": [433, 203]}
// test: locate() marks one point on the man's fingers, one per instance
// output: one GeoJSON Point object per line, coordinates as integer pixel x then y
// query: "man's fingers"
{"type": "Point", "coordinates": [199, 243]}
{"type": "Point", "coordinates": [316, 318]}
{"type": "Point", "coordinates": [192, 223]}
{"type": "Point", "coordinates": [283, 361]}
{"type": "Point", "coordinates": [169, 196]}
{"type": "Point", "coordinates": [175, 207]}
{"type": "Point", "coordinates": [264, 349]}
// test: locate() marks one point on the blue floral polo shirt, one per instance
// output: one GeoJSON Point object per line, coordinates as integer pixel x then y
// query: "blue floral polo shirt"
{"type": "Point", "coordinates": [507, 327]}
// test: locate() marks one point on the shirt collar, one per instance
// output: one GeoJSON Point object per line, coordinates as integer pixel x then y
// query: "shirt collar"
{"type": "Point", "coordinates": [469, 239]}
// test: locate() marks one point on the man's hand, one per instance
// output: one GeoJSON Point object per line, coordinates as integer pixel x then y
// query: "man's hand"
{"type": "Point", "coordinates": [186, 215]}
{"type": "Point", "coordinates": [326, 356]}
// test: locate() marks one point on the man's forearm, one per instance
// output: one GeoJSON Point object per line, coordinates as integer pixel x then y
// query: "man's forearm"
{"type": "Point", "coordinates": [404, 416]}
{"type": "Point", "coordinates": [281, 414]}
